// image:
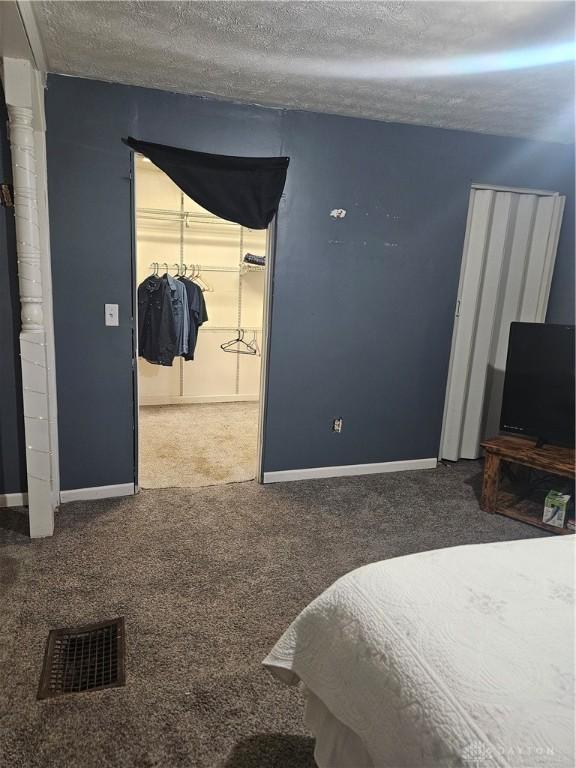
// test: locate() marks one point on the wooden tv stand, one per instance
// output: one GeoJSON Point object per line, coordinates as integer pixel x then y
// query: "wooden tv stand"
{"type": "Point", "coordinates": [519, 450]}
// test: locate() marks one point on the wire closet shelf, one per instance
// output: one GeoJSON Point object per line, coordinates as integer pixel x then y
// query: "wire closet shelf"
{"type": "Point", "coordinates": [191, 269]}
{"type": "Point", "coordinates": [186, 217]}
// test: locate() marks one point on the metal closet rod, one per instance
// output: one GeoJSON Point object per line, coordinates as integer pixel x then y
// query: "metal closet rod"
{"type": "Point", "coordinates": [174, 215]}
{"type": "Point", "coordinates": [229, 328]}
{"type": "Point", "coordinates": [200, 267]}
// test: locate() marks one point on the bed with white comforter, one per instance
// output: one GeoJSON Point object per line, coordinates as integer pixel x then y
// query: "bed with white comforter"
{"type": "Point", "coordinates": [455, 657]}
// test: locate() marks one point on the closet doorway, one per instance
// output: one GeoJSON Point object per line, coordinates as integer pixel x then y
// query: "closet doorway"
{"type": "Point", "coordinates": [198, 419]}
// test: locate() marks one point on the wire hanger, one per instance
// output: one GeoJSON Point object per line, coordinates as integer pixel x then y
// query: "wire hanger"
{"type": "Point", "coordinates": [238, 345]}
{"type": "Point", "coordinates": [200, 280]}
{"type": "Point", "coordinates": [253, 343]}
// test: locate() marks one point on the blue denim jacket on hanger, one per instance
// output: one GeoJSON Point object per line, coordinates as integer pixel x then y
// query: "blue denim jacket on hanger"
{"type": "Point", "coordinates": [180, 312]}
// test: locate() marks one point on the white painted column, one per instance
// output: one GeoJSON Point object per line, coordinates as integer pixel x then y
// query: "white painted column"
{"type": "Point", "coordinates": [25, 104]}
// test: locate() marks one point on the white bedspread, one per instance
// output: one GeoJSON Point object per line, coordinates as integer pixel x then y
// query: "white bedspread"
{"type": "Point", "coordinates": [455, 657]}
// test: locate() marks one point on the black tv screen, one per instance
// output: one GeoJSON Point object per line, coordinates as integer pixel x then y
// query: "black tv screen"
{"type": "Point", "coordinates": [538, 398]}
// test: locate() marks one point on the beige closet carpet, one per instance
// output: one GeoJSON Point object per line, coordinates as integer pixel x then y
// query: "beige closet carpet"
{"type": "Point", "coordinates": [207, 580]}
{"type": "Point", "coordinates": [190, 446]}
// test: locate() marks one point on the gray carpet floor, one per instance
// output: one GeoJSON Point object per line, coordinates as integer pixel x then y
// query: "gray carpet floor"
{"type": "Point", "coordinates": [207, 580]}
{"type": "Point", "coordinates": [190, 446]}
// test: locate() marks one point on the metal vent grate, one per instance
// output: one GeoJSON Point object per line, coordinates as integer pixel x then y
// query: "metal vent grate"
{"type": "Point", "coordinates": [85, 658]}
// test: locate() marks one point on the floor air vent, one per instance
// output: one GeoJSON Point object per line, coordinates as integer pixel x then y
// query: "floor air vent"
{"type": "Point", "coordinates": [85, 658]}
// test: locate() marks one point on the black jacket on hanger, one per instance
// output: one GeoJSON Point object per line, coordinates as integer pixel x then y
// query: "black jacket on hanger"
{"type": "Point", "coordinates": [157, 340]}
{"type": "Point", "coordinates": [196, 311]}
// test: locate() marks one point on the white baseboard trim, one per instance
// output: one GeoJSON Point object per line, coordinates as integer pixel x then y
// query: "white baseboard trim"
{"type": "Point", "coordinates": [191, 399]}
{"type": "Point", "coordinates": [13, 499]}
{"type": "Point", "coordinates": [348, 470]}
{"type": "Point", "coordinates": [99, 492]}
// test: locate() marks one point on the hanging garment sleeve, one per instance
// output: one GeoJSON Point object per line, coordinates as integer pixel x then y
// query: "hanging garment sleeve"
{"type": "Point", "coordinates": [167, 332]}
{"type": "Point", "coordinates": [194, 297]}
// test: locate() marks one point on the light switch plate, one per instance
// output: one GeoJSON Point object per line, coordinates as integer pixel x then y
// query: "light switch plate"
{"type": "Point", "coordinates": [111, 314]}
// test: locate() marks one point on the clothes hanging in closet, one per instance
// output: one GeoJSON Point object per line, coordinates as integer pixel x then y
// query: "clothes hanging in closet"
{"type": "Point", "coordinates": [170, 311]}
{"type": "Point", "coordinates": [196, 311]}
{"type": "Point", "coordinates": [180, 312]}
{"type": "Point", "coordinates": [156, 328]}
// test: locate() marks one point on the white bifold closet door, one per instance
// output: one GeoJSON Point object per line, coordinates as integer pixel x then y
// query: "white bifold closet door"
{"type": "Point", "coordinates": [507, 264]}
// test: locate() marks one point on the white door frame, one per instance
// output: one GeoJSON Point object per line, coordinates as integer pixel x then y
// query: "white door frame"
{"type": "Point", "coordinates": [471, 276]}
{"type": "Point", "coordinates": [266, 340]}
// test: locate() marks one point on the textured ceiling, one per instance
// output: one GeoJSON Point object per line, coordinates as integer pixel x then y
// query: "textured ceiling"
{"type": "Point", "coordinates": [412, 62]}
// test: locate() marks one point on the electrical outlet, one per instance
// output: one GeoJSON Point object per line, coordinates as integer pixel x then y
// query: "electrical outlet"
{"type": "Point", "coordinates": [111, 314]}
{"type": "Point", "coordinates": [337, 425]}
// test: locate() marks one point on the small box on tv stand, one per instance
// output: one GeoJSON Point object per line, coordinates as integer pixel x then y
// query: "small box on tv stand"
{"type": "Point", "coordinates": [557, 509]}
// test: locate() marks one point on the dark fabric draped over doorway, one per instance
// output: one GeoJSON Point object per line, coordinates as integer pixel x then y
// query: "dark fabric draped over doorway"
{"type": "Point", "coordinates": [245, 190]}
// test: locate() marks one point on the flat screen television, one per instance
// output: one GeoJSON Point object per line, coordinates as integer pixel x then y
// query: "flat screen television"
{"type": "Point", "coordinates": [538, 397]}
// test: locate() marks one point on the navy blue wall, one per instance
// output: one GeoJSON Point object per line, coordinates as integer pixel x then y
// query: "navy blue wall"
{"type": "Point", "coordinates": [12, 445]}
{"type": "Point", "coordinates": [362, 306]}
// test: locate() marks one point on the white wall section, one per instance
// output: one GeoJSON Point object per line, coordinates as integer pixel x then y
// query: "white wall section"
{"type": "Point", "coordinates": [24, 95]}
